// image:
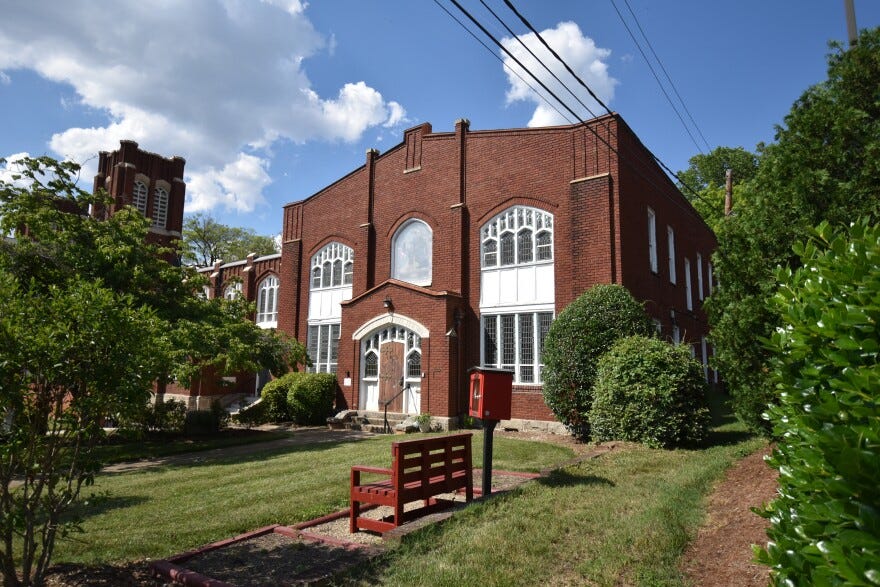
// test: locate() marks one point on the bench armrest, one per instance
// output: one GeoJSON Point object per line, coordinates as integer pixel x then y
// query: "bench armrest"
{"type": "Point", "coordinates": [376, 470]}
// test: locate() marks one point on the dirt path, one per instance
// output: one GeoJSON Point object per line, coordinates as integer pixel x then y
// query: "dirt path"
{"type": "Point", "coordinates": [721, 556]}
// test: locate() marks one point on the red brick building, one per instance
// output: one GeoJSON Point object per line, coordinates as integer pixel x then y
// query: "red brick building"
{"type": "Point", "coordinates": [457, 249]}
{"type": "Point", "coordinates": [151, 183]}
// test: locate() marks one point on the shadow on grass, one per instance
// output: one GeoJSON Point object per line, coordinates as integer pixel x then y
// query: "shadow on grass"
{"type": "Point", "coordinates": [563, 478]}
{"type": "Point", "coordinates": [97, 504]}
{"type": "Point", "coordinates": [726, 437]}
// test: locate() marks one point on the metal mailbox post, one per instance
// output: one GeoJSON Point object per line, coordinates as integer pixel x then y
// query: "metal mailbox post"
{"type": "Point", "coordinates": [490, 394]}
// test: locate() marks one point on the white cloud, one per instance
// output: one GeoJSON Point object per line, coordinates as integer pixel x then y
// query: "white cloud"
{"type": "Point", "coordinates": [11, 168]}
{"type": "Point", "coordinates": [5, 80]}
{"type": "Point", "coordinates": [204, 79]}
{"type": "Point", "coordinates": [581, 54]}
{"type": "Point", "coordinates": [237, 186]}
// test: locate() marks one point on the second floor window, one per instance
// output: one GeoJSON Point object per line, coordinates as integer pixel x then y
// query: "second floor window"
{"type": "Point", "coordinates": [332, 266]}
{"type": "Point", "coordinates": [160, 207]}
{"type": "Point", "coordinates": [518, 236]}
{"type": "Point", "coordinates": [267, 301]}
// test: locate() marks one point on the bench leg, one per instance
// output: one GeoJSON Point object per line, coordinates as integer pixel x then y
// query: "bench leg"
{"type": "Point", "coordinates": [354, 515]}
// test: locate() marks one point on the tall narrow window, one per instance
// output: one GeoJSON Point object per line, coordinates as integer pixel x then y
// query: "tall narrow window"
{"type": "Point", "coordinates": [267, 302]}
{"type": "Point", "coordinates": [507, 248]}
{"type": "Point", "coordinates": [412, 250]}
{"type": "Point", "coordinates": [700, 276]}
{"type": "Point", "coordinates": [652, 240]}
{"type": "Point", "coordinates": [160, 207]}
{"type": "Point", "coordinates": [524, 246]}
{"type": "Point", "coordinates": [670, 245]}
{"type": "Point", "coordinates": [688, 295]}
{"type": "Point", "coordinates": [139, 197]}
{"type": "Point", "coordinates": [709, 277]}
{"type": "Point", "coordinates": [704, 359]}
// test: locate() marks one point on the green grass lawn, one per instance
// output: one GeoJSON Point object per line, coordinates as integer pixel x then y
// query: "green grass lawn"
{"type": "Point", "coordinates": [163, 511]}
{"type": "Point", "coordinates": [624, 518]}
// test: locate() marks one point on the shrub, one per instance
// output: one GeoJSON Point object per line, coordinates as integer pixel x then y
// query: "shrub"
{"type": "Point", "coordinates": [167, 416]}
{"type": "Point", "coordinates": [274, 396]}
{"type": "Point", "coordinates": [649, 391]}
{"type": "Point", "coordinates": [825, 523]}
{"type": "Point", "coordinates": [203, 421]}
{"type": "Point", "coordinates": [582, 333]}
{"type": "Point", "coordinates": [310, 397]}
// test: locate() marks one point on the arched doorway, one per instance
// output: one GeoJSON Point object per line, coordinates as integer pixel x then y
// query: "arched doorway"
{"type": "Point", "coordinates": [391, 362]}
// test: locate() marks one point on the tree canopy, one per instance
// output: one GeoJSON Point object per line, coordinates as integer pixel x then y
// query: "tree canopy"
{"type": "Point", "coordinates": [822, 166]}
{"type": "Point", "coordinates": [206, 241]}
{"type": "Point", "coordinates": [91, 315]}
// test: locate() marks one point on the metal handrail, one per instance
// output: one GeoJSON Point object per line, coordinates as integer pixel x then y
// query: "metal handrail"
{"type": "Point", "coordinates": [386, 427]}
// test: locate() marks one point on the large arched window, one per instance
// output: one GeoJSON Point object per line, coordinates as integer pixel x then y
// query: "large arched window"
{"type": "Point", "coordinates": [160, 207]}
{"type": "Point", "coordinates": [267, 302]}
{"type": "Point", "coordinates": [139, 197]}
{"type": "Point", "coordinates": [411, 252]}
{"type": "Point", "coordinates": [332, 266]}
{"type": "Point", "coordinates": [517, 291]}
{"type": "Point", "coordinates": [523, 235]}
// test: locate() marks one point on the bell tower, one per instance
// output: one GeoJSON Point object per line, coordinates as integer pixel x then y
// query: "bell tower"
{"type": "Point", "coordinates": [151, 183]}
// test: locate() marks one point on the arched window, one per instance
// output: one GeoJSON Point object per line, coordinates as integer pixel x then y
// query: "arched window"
{"type": "Point", "coordinates": [371, 365]}
{"type": "Point", "coordinates": [232, 291]}
{"type": "Point", "coordinates": [160, 207]}
{"type": "Point", "coordinates": [332, 266]}
{"type": "Point", "coordinates": [411, 256]}
{"type": "Point", "coordinates": [139, 197]}
{"type": "Point", "coordinates": [518, 236]}
{"type": "Point", "coordinates": [267, 301]}
{"type": "Point", "coordinates": [414, 365]}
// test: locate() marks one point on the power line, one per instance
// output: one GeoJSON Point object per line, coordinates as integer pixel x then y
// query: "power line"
{"type": "Point", "coordinates": [538, 59]}
{"type": "Point", "coordinates": [583, 84]}
{"type": "Point", "coordinates": [494, 54]}
{"type": "Point", "coordinates": [656, 77]}
{"type": "Point", "coordinates": [666, 73]}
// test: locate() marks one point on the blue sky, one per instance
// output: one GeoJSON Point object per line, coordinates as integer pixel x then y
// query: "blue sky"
{"type": "Point", "coordinates": [269, 101]}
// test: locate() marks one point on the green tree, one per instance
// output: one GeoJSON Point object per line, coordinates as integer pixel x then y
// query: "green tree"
{"type": "Point", "coordinates": [90, 317]}
{"type": "Point", "coordinates": [823, 166]}
{"type": "Point", "coordinates": [825, 526]}
{"type": "Point", "coordinates": [206, 241]}
{"type": "Point", "coordinates": [582, 333]}
{"type": "Point", "coordinates": [706, 174]}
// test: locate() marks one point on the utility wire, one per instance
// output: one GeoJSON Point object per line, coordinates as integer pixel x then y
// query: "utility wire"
{"type": "Point", "coordinates": [510, 69]}
{"type": "Point", "coordinates": [528, 25]}
{"type": "Point", "coordinates": [656, 77]}
{"type": "Point", "coordinates": [538, 59]}
{"type": "Point", "coordinates": [666, 73]}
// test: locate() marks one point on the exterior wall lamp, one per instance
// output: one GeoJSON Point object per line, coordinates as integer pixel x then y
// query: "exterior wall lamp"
{"type": "Point", "coordinates": [387, 303]}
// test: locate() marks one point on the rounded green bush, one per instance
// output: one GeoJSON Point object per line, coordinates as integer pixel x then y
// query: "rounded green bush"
{"type": "Point", "coordinates": [649, 391]}
{"type": "Point", "coordinates": [310, 398]}
{"type": "Point", "coordinates": [274, 396]}
{"type": "Point", "coordinates": [581, 334]}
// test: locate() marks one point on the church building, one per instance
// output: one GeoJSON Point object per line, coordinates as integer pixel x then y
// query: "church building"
{"type": "Point", "coordinates": [457, 249]}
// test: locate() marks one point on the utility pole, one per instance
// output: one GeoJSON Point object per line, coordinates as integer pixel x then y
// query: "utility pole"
{"type": "Point", "coordinates": [728, 192]}
{"type": "Point", "coordinates": [851, 22]}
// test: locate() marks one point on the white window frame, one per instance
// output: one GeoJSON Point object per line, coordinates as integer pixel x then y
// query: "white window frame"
{"type": "Point", "coordinates": [670, 244]}
{"type": "Point", "coordinates": [267, 302]}
{"type": "Point", "coordinates": [700, 277]}
{"type": "Point", "coordinates": [397, 270]}
{"type": "Point", "coordinates": [323, 346]}
{"type": "Point", "coordinates": [652, 240]}
{"type": "Point", "coordinates": [139, 196]}
{"type": "Point", "coordinates": [232, 291]}
{"type": "Point", "coordinates": [519, 366]}
{"type": "Point", "coordinates": [688, 294]}
{"type": "Point", "coordinates": [515, 221]}
{"type": "Point", "coordinates": [160, 207]}
{"type": "Point", "coordinates": [332, 261]}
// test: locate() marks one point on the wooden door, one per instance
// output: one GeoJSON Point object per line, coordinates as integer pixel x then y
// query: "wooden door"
{"type": "Point", "coordinates": [390, 375]}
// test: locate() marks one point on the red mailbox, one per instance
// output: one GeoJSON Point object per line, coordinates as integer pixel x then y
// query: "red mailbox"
{"type": "Point", "coordinates": [490, 393]}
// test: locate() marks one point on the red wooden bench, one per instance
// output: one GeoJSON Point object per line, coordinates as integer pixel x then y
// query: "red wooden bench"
{"type": "Point", "coordinates": [420, 470]}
